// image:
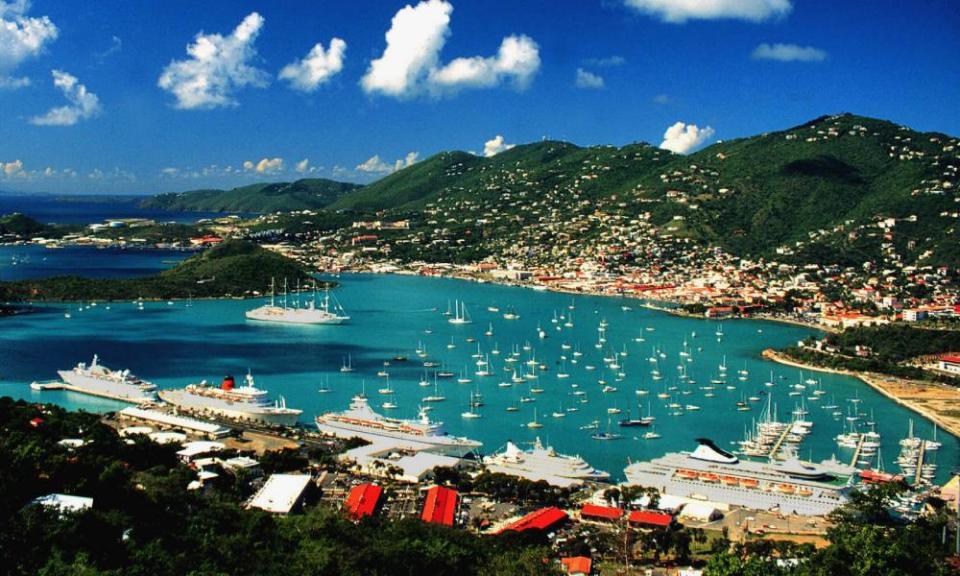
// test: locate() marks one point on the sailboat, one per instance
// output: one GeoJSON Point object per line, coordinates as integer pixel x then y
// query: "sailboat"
{"type": "Point", "coordinates": [460, 314]}
{"type": "Point", "coordinates": [534, 423]}
{"type": "Point", "coordinates": [651, 435]}
{"type": "Point", "coordinates": [607, 435]}
{"type": "Point", "coordinates": [436, 396]}
{"type": "Point", "coordinates": [347, 364]}
{"type": "Point", "coordinates": [472, 412]}
{"type": "Point", "coordinates": [631, 422]}
{"type": "Point", "coordinates": [324, 387]}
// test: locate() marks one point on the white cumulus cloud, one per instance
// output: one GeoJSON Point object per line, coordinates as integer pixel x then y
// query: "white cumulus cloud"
{"type": "Point", "coordinates": [587, 79]}
{"type": "Point", "coordinates": [265, 165]}
{"type": "Point", "coordinates": [11, 168]}
{"type": "Point", "coordinates": [678, 11]}
{"type": "Point", "coordinates": [788, 53]}
{"type": "Point", "coordinates": [21, 37]}
{"type": "Point", "coordinates": [303, 166]}
{"type": "Point", "coordinates": [317, 68]}
{"type": "Point", "coordinates": [495, 146]}
{"type": "Point", "coordinates": [217, 67]}
{"type": "Point", "coordinates": [517, 60]}
{"type": "Point", "coordinates": [83, 104]}
{"type": "Point", "coordinates": [682, 138]}
{"type": "Point", "coordinates": [376, 165]}
{"type": "Point", "coordinates": [410, 63]}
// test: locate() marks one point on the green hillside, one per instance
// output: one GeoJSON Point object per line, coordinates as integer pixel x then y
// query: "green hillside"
{"type": "Point", "coordinates": [233, 268]}
{"type": "Point", "coordinates": [306, 194]}
{"type": "Point", "coordinates": [797, 192]}
{"type": "Point", "coordinates": [22, 226]}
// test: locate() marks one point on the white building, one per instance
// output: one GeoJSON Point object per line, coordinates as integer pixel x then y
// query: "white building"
{"type": "Point", "coordinates": [65, 502]}
{"type": "Point", "coordinates": [281, 493]}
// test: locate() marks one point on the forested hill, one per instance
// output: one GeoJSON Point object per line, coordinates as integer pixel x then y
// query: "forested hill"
{"type": "Point", "coordinates": [235, 268]}
{"type": "Point", "coordinates": [813, 192]}
{"type": "Point", "coordinates": [310, 193]}
{"type": "Point", "coordinates": [813, 184]}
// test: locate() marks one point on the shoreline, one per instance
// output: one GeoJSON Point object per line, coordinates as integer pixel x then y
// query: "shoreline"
{"type": "Point", "coordinates": [907, 393]}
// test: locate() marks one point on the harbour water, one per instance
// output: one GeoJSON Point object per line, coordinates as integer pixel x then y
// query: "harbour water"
{"type": "Point", "coordinates": [173, 344]}
{"type": "Point", "coordinates": [29, 261]}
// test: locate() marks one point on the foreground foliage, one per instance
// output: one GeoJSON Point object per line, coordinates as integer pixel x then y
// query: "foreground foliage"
{"type": "Point", "coordinates": [145, 522]}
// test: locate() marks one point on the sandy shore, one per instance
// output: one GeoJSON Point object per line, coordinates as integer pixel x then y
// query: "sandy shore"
{"type": "Point", "coordinates": [935, 402]}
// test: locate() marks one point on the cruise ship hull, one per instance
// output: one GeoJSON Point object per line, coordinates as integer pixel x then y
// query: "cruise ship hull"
{"type": "Point", "coordinates": [790, 487]}
{"type": "Point", "coordinates": [84, 384]}
{"type": "Point", "coordinates": [269, 415]}
{"type": "Point", "coordinates": [447, 445]}
{"type": "Point", "coordinates": [294, 315]}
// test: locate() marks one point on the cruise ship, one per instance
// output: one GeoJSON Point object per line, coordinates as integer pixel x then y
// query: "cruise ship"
{"type": "Point", "coordinates": [362, 421]}
{"type": "Point", "coordinates": [543, 463]}
{"type": "Point", "coordinates": [245, 402]}
{"type": "Point", "coordinates": [324, 312]}
{"type": "Point", "coordinates": [98, 380]}
{"type": "Point", "coordinates": [711, 473]}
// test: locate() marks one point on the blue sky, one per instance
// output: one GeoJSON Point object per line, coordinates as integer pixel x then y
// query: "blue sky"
{"type": "Point", "coordinates": [104, 97]}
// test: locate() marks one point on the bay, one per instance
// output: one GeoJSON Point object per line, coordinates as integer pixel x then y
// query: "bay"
{"type": "Point", "coordinates": [173, 345]}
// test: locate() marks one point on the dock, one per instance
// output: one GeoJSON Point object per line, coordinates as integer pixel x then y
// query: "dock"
{"type": "Point", "coordinates": [856, 453]}
{"type": "Point", "coordinates": [779, 442]}
{"type": "Point", "coordinates": [920, 454]}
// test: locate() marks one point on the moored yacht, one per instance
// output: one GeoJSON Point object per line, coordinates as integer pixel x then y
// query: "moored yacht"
{"type": "Point", "coordinates": [245, 402]}
{"type": "Point", "coordinates": [361, 420]}
{"type": "Point", "coordinates": [543, 463]}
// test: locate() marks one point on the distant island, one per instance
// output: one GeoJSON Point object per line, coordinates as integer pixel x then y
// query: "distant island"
{"type": "Point", "coordinates": [234, 268]}
{"type": "Point", "coordinates": [306, 194]}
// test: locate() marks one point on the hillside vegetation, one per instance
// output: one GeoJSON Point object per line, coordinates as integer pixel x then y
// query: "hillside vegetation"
{"type": "Point", "coordinates": [311, 193]}
{"type": "Point", "coordinates": [762, 195]}
{"type": "Point", "coordinates": [234, 268]}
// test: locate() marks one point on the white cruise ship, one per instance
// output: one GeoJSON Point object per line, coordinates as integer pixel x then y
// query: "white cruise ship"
{"type": "Point", "coordinates": [543, 463]}
{"type": "Point", "coordinates": [245, 402]}
{"type": "Point", "coordinates": [324, 312]}
{"type": "Point", "coordinates": [98, 380]}
{"type": "Point", "coordinates": [711, 473]}
{"type": "Point", "coordinates": [362, 421]}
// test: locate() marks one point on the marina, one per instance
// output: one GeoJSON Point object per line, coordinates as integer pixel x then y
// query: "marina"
{"type": "Point", "coordinates": [523, 378]}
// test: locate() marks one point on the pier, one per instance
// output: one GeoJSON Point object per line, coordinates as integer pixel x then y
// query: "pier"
{"type": "Point", "coordinates": [920, 454]}
{"type": "Point", "coordinates": [856, 453]}
{"type": "Point", "coordinates": [779, 442]}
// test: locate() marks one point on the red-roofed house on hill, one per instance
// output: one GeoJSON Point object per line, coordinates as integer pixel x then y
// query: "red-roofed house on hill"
{"type": "Point", "coordinates": [364, 500]}
{"type": "Point", "coordinates": [440, 507]}
{"type": "Point", "coordinates": [950, 363]}
{"type": "Point", "coordinates": [543, 519]}
{"type": "Point", "coordinates": [207, 240]}
{"type": "Point", "coordinates": [577, 565]}
{"type": "Point", "coordinates": [602, 513]}
{"type": "Point", "coordinates": [649, 519]}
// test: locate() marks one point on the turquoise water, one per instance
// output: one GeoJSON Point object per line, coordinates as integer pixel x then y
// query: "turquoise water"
{"type": "Point", "coordinates": [30, 261]}
{"type": "Point", "coordinates": [173, 345]}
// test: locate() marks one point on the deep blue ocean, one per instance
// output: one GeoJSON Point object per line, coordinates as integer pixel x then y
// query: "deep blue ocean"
{"type": "Point", "coordinates": [52, 209]}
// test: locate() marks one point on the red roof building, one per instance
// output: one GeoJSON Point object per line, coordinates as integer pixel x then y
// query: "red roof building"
{"type": "Point", "coordinates": [594, 512]}
{"type": "Point", "coordinates": [649, 519]}
{"type": "Point", "coordinates": [363, 500]}
{"type": "Point", "coordinates": [542, 519]}
{"type": "Point", "coordinates": [440, 507]}
{"type": "Point", "coordinates": [577, 565]}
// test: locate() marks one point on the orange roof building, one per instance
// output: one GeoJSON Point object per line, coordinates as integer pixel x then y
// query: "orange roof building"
{"type": "Point", "coordinates": [364, 500]}
{"type": "Point", "coordinates": [440, 507]}
{"type": "Point", "coordinates": [577, 565]}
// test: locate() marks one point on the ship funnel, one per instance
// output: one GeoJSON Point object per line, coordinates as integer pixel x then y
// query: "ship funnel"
{"type": "Point", "coordinates": [228, 383]}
